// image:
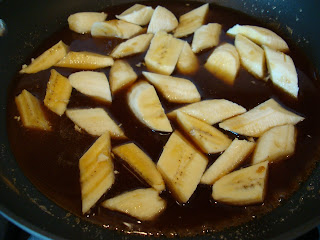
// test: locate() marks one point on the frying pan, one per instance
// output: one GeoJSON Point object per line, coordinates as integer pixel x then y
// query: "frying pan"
{"type": "Point", "coordinates": [30, 22]}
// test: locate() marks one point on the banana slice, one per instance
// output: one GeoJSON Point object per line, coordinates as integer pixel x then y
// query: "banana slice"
{"type": "Point", "coordinates": [31, 113]}
{"type": "Point", "coordinates": [251, 56]}
{"type": "Point", "coordinates": [85, 61]}
{"type": "Point", "coordinates": [276, 144]}
{"type": "Point", "coordinates": [137, 14]}
{"type": "Point", "coordinates": [177, 90]}
{"type": "Point", "coordinates": [96, 172]}
{"type": "Point", "coordinates": [95, 121]}
{"type": "Point", "coordinates": [143, 204]}
{"type": "Point", "coordinates": [47, 59]}
{"type": "Point", "coordinates": [282, 71]}
{"type": "Point", "coordinates": [181, 167]}
{"type": "Point", "coordinates": [121, 75]}
{"type": "Point", "coordinates": [188, 62]}
{"type": "Point", "coordinates": [243, 187]}
{"type": "Point", "coordinates": [163, 53]}
{"type": "Point", "coordinates": [94, 84]}
{"type": "Point", "coordinates": [210, 111]}
{"type": "Point", "coordinates": [260, 119]}
{"type": "Point", "coordinates": [145, 104]}
{"type": "Point", "coordinates": [224, 63]}
{"type": "Point", "coordinates": [206, 137]}
{"type": "Point", "coordinates": [138, 44]}
{"type": "Point", "coordinates": [235, 154]}
{"type": "Point", "coordinates": [162, 20]}
{"type": "Point", "coordinates": [115, 28]}
{"type": "Point", "coordinates": [141, 163]}
{"type": "Point", "coordinates": [81, 22]}
{"type": "Point", "coordinates": [207, 36]}
{"type": "Point", "coordinates": [58, 93]}
{"type": "Point", "coordinates": [191, 21]}
{"type": "Point", "coordinates": [260, 36]}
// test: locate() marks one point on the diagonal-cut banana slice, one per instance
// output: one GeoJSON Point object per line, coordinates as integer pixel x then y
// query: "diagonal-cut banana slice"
{"type": "Point", "coordinates": [143, 204]}
{"type": "Point", "coordinates": [276, 144]}
{"type": "Point", "coordinates": [188, 62]}
{"type": "Point", "coordinates": [95, 121]}
{"type": "Point", "coordinates": [137, 14]}
{"type": "Point", "coordinates": [58, 93]}
{"type": "Point", "coordinates": [208, 138]}
{"type": "Point", "coordinates": [30, 111]}
{"type": "Point", "coordinates": [260, 119]}
{"type": "Point", "coordinates": [146, 106]}
{"type": "Point", "coordinates": [141, 163]}
{"type": "Point", "coordinates": [163, 53]}
{"type": "Point", "coordinates": [243, 187]}
{"type": "Point", "coordinates": [282, 71]}
{"type": "Point", "coordinates": [260, 35]}
{"type": "Point", "coordinates": [251, 56]}
{"type": "Point", "coordinates": [81, 22]}
{"type": "Point", "coordinates": [178, 90]}
{"type": "Point", "coordinates": [210, 111]}
{"type": "Point", "coordinates": [138, 44]}
{"type": "Point", "coordinates": [85, 61]}
{"type": "Point", "coordinates": [94, 84]}
{"type": "Point", "coordinates": [47, 59]}
{"type": "Point", "coordinates": [207, 36]}
{"type": "Point", "coordinates": [96, 172]}
{"type": "Point", "coordinates": [115, 28]}
{"type": "Point", "coordinates": [235, 154]}
{"type": "Point", "coordinates": [181, 167]}
{"type": "Point", "coordinates": [191, 21]}
{"type": "Point", "coordinates": [162, 20]}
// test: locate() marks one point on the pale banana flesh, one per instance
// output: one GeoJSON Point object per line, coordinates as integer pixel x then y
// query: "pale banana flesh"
{"type": "Point", "coordinates": [174, 89]}
{"type": "Point", "coordinates": [191, 21]}
{"type": "Point", "coordinates": [31, 113]}
{"type": "Point", "coordinates": [121, 75]}
{"type": "Point", "coordinates": [95, 121]}
{"type": "Point", "coordinates": [181, 167]}
{"type": "Point", "coordinates": [47, 59]}
{"type": "Point", "coordinates": [85, 61]}
{"type": "Point", "coordinates": [224, 63]}
{"type": "Point", "coordinates": [251, 56]}
{"type": "Point", "coordinates": [282, 71]}
{"type": "Point", "coordinates": [233, 157]}
{"type": "Point", "coordinates": [135, 45]}
{"type": "Point", "coordinates": [242, 187]}
{"type": "Point", "coordinates": [58, 93]}
{"type": "Point", "coordinates": [81, 22]}
{"type": "Point", "coordinates": [207, 36]}
{"type": "Point", "coordinates": [141, 163]}
{"type": "Point", "coordinates": [276, 144]}
{"type": "Point", "coordinates": [146, 106]}
{"type": "Point", "coordinates": [206, 137]}
{"type": "Point", "coordinates": [94, 84]}
{"type": "Point", "coordinates": [137, 14]}
{"type": "Point", "coordinates": [115, 28]}
{"type": "Point", "coordinates": [163, 53]}
{"type": "Point", "coordinates": [162, 20]}
{"type": "Point", "coordinates": [143, 204]}
{"type": "Point", "coordinates": [210, 111]}
{"type": "Point", "coordinates": [260, 36]}
{"type": "Point", "coordinates": [188, 62]}
{"type": "Point", "coordinates": [260, 119]}
{"type": "Point", "coordinates": [96, 171]}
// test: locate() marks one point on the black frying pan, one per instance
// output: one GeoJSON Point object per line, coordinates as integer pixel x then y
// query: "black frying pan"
{"type": "Point", "coordinates": [30, 22]}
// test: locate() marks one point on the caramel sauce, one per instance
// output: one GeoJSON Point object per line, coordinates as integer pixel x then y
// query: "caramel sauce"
{"type": "Point", "coordinates": [50, 159]}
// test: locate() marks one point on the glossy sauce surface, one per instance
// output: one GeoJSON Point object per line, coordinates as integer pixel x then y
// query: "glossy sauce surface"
{"type": "Point", "coordinates": [50, 159]}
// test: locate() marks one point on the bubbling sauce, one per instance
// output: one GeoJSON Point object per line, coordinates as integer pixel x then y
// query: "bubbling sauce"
{"type": "Point", "coordinates": [50, 159]}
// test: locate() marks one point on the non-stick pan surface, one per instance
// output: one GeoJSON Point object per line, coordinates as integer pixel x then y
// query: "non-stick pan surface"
{"type": "Point", "coordinates": [30, 22]}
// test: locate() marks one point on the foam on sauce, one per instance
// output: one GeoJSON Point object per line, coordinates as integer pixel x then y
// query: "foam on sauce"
{"type": "Point", "coordinates": [50, 159]}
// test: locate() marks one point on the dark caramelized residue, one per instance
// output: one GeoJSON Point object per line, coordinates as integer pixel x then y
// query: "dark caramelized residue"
{"type": "Point", "coordinates": [50, 159]}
